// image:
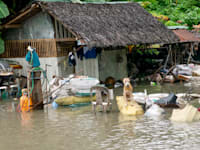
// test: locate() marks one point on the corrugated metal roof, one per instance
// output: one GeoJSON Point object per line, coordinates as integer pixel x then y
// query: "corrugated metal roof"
{"type": "Point", "coordinates": [177, 27]}
{"type": "Point", "coordinates": [186, 36]}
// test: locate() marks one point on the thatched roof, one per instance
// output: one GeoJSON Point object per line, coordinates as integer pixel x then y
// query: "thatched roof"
{"type": "Point", "coordinates": [104, 25]}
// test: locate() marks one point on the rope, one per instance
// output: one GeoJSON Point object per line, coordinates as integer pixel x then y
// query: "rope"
{"type": "Point", "coordinates": [31, 62]}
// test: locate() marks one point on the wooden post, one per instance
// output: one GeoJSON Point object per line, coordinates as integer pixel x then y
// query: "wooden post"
{"type": "Point", "coordinates": [166, 61]}
{"type": "Point", "coordinates": [28, 86]}
{"type": "Point", "coordinates": [34, 81]}
{"type": "Point", "coordinates": [46, 83]}
{"type": "Point", "coordinates": [190, 54]}
{"type": "Point", "coordinates": [56, 27]}
{"type": "Point", "coordinates": [37, 90]}
{"type": "Point", "coordinates": [175, 56]}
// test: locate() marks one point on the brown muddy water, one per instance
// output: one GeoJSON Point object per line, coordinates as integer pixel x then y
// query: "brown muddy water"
{"type": "Point", "coordinates": [79, 129]}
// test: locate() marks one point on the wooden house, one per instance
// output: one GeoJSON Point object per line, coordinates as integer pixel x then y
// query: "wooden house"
{"type": "Point", "coordinates": [54, 28]}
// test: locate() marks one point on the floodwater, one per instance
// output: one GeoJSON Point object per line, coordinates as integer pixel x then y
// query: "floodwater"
{"type": "Point", "coordinates": [79, 129]}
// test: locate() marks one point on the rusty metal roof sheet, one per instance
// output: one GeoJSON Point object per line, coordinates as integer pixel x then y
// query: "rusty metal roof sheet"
{"type": "Point", "coordinates": [186, 36]}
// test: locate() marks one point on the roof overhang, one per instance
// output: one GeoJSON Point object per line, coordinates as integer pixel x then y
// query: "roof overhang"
{"type": "Point", "coordinates": [15, 21]}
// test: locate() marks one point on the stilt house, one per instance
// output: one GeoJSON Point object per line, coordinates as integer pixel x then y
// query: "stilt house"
{"type": "Point", "coordinates": [187, 48]}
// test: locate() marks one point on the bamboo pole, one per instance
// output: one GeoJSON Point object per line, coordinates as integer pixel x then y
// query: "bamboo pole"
{"type": "Point", "coordinates": [28, 86]}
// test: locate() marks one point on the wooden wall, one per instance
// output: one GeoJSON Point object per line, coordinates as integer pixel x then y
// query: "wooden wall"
{"type": "Point", "coordinates": [61, 31]}
{"type": "Point", "coordinates": [62, 43]}
{"type": "Point", "coordinates": [18, 48]}
{"type": "Point", "coordinates": [44, 48]}
{"type": "Point", "coordinates": [63, 48]}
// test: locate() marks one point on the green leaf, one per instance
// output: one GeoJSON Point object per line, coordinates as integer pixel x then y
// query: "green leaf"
{"type": "Point", "coordinates": [78, 1]}
{"type": "Point", "coordinates": [3, 10]}
{"type": "Point", "coordinates": [139, 51]}
{"type": "Point", "coordinates": [171, 23]}
{"type": "Point", "coordinates": [1, 46]}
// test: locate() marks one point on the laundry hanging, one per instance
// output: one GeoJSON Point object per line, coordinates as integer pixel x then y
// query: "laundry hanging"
{"type": "Point", "coordinates": [71, 59]}
{"type": "Point", "coordinates": [89, 53]}
{"type": "Point", "coordinates": [32, 58]}
{"type": "Point", "coordinates": [80, 53]}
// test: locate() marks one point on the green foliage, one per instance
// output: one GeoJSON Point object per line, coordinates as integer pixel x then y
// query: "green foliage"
{"type": "Point", "coordinates": [1, 46]}
{"type": "Point", "coordinates": [147, 51]}
{"type": "Point", "coordinates": [78, 1]}
{"type": "Point", "coordinates": [94, 1]}
{"type": "Point", "coordinates": [192, 17]}
{"type": "Point", "coordinates": [171, 23]}
{"type": "Point", "coordinates": [3, 10]}
{"type": "Point", "coordinates": [55, 0]}
{"type": "Point", "coordinates": [152, 51]}
{"type": "Point", "coordinates": [139, 51]}
{"type": "Point", "coordinates": [3, 13]}
{"type": "Point", "coordinates": [183, 12]}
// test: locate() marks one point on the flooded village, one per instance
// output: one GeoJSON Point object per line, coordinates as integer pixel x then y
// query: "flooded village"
{"type": "Point", "coordinates": [98, 75]}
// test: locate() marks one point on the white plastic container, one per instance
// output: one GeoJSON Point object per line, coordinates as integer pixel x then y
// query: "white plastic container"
{"type": "Point", "coordinates": [111, 94]}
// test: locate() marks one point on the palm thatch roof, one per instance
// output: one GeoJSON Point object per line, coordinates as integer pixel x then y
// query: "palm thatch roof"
{"type": "Point", "coordinates": [105, 25]}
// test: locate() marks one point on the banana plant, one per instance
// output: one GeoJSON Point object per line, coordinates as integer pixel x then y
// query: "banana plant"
{"type": "Point", "coordinates": [3, 10]}
{"type": "Point", "coordinates": [3, 13]}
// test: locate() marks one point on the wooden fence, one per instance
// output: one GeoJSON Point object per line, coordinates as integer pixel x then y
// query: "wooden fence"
{"type": "Point", "coordinates": [63, 48]}
{"type": "Point", "coordinates": [18, 48]}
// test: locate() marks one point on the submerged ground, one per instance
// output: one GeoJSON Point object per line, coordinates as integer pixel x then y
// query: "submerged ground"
{"type": "Point", "coordinates": [78, 128]}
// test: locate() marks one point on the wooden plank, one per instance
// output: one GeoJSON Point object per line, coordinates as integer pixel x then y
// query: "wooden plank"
{"type": "Point", "coordinates": [60, 31]}
{"type": "Point", "coordinates": [17, 48]}
{"type": "Point", "coordinates": [70, 35]}
{"type": "Point", "coordinates": [10, 26]}
{"type": "Point", "coordinates": [56, 28]}
{"type": "Point", "coordinates": [55, 48]}
{"type": "Point", "coordinates": [33, 6]}
{"type": "Point", "coordinates": [65, 33]}
{"type": "Point", "coordinates": [66, 40]}
{"type": "Point", "coordinates": [48, 48]}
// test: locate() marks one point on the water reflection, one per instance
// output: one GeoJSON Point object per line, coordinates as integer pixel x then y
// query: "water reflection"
{"type": "Point", "coordinates": [26, 119]}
